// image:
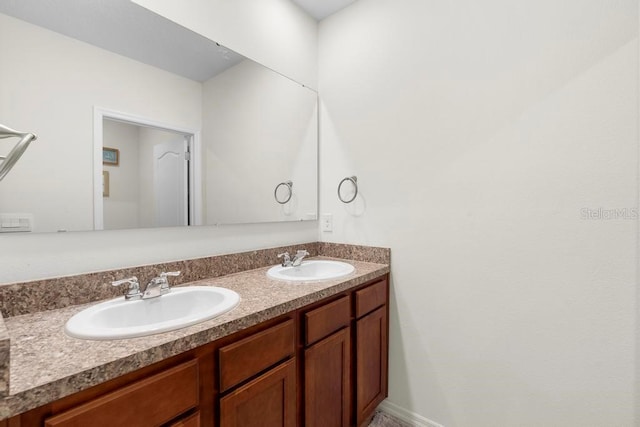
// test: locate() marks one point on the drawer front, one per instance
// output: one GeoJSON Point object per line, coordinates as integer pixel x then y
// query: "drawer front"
{"type": "Point", "coordinates": [245, 358]}
{"type": "Point", "coordinates": [152, 401]}
{"type": "Point", "coordinates": [371, 297]}
{"type": "Point", "coordinates": [324, 321]}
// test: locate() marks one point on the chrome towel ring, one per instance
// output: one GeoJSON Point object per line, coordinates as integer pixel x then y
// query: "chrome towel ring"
{"type": "Point", "coordinates": [289, 187]}
{"type": "Point", "coordinates": [354, 181]}
{"type": "Point", "coordinates": [25, 139]}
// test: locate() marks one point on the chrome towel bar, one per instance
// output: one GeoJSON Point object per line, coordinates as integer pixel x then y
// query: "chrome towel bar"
{"type": "Point", "coordinates": [7, 162]}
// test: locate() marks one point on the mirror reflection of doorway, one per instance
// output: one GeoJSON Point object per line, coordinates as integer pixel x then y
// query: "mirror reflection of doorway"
{"type": "Point", "coordinates": [150, 184]}
{"type": "Point", "coordinates": [170, 177]}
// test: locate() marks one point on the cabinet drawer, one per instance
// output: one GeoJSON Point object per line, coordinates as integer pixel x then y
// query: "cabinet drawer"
{"type": "Point", "coordinates": [152, 401]}
{"type": "Point", "coordinates": [324, 321]}
{"type": "Point", "coordinates": [371, 297]}
{"type": "Point", "coordinates": [245, 358]}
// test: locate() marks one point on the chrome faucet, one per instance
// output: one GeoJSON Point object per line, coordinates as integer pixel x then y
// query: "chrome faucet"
{"type": "Point", "coordinates": [133, 291]}
{"type": "Point", "coordinates": [159, 285]}
{"type": "Point", "coordinates": [297, 258]}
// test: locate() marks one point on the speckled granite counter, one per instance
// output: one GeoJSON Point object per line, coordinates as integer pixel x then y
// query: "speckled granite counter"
{"type": "Point", "coordinates": [47, 365]}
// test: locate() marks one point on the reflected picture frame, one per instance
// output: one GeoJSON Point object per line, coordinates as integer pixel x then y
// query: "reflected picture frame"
{"type": "Point", "coordinates": [110, 156]}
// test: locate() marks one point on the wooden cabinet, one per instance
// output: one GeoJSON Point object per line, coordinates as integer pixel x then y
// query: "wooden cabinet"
{"type": "Point", "coordinates": [327, 365]}
{"type": "Point", "coordinates": [327, 381]}
{"type": "Point", "coordinates": [152, 401]}
{"type": "Point", "coordinates": [267, 401]}
{"type": "Point", "coordinates": [322, 365]}
{"type": "Point", "coordinates": [371, 362]}
{"type": "Point", "coordinates": [371, 348]}
{"type": "Point", "coordinates": [270, 399]}
{"type": "Point", "coordinates": [247, 357]}
{"type": "Point", "coordinates": [189, 421]}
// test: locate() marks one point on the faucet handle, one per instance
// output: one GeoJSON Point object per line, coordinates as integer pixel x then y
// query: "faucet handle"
{"type": "Point", "coordinates": [297, 259]}
{"type": "Point", "coordinates": [133, 280]}
{"type": "Point", "coordinates": [170, 273]}
{"type": "Point", "coordinates": [134, 287]}
{"type": "Point", "coordinates": [162, 279]}
{"type": "Point", "coordinates": [286, 259]}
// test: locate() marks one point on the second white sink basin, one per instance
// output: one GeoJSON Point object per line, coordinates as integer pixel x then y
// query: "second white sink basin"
{"type": "Point", "coordinates": [311, 270]}
{"type": "Point", "coordinates": [119, 318]}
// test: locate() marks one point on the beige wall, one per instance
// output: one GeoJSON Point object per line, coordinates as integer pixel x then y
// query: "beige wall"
{"type": "Point", "coordinates": [478, 132]}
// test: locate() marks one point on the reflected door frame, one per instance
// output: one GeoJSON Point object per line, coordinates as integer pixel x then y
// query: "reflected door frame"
{"type": "Point", "coordinates": [195, 173]}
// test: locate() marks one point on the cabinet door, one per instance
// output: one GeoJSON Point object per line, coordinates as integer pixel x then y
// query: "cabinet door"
{"type": "Point", "coordinates": [267, 401]}
{"type": "Point", "coordinates": [190, 421]}
{"type": "Point", "coordinates": [371, 363]}
{"type": "Point", "coordinates": [327, 381]}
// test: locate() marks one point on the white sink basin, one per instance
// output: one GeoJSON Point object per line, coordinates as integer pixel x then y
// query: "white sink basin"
{"type": "Point", "coordinates": [311, 270]}
{"type": "Point", "coordinates": [118, 318]}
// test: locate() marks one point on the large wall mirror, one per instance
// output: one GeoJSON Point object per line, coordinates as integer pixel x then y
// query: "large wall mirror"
{"type": "Point", "coordinates": [143, 123]}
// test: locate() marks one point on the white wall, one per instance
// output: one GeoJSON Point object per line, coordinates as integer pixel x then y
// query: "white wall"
{"type": "Point", "coordinates": [122, 207]}
{"type": "Point", "coordinates": [28, 257]}
{"type": "Point", "coordinates": [275, 33]}
{"type": "Point", "coordinates": [259, 129]}
{"type": "Point", "coordinates": [478, 132]}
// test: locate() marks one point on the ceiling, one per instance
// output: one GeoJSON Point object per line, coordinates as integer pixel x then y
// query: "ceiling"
{"type": "Point", "coordinates": [320, 9]}
{"type": "Point", "coordinates": [130, 30]}
{"type": "Point", "coordinates": [125, 28]}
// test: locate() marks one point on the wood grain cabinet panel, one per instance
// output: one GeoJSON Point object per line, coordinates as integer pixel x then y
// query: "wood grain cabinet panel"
{"type": "Point", "coordinates": [327, 381]}
{"type": "Point", "coordinates": [371, 297]}
{"type": "Point", "coordinates": [190, 421]}
{"type": "Point", "coordinates": [243, 359]}
{"type": "Point", "coordinates": [371, 363]}
{"type": "Point", "coordinates": [324, 321]}
{"type": "Point", "coordinates": [149, 402]}
{"type": "Point", "coordinates": [267, 401]}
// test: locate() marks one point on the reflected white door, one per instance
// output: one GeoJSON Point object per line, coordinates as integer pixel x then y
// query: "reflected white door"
{"type": "Point", "coordinates": [170, 173]}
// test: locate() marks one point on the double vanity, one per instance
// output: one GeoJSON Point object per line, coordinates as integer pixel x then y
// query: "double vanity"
{"type": "Point", "coordinates": [304, 345]}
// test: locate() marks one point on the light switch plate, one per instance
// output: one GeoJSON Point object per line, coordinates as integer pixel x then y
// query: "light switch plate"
{"type": "Point", "coordinates": [327, 223]}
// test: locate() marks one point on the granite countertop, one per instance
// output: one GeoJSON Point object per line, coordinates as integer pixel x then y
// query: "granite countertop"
{"type": "Point", "coordinates": [47, 365]}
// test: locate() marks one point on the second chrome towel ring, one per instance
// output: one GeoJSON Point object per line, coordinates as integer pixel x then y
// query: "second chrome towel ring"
{"type": "Point", "coordinates": [354, 181]}
{"type": "Point", "coordinates": [289, 186]}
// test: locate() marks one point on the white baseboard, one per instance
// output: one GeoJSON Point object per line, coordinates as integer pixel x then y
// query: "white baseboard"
{"type": "Point", "coordinates": [405, 415]}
